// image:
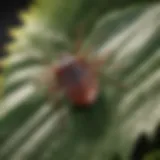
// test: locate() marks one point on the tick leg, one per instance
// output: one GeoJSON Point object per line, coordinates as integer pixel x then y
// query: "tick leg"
{"type": "Point", "coordinates": [56, 103]}
{"type": "Point", "coordinates": [96, 66]}
{"type": "Point", "coordinates": [98, 63]}
{"type": "Point", "coordinates": [112, 81]}
{"type": "Point", "coordinates": [44, 61]}
{"type": "Point", "coordinates": [79, 43]}
{"type": "Point", "coordinates": [55, 95]}
{"type": "Point", "coordinates": [103, 59]}
{"type": "Point", "coordinates": [116, 83]}
{"type": "Point", "coordinates": [79, 40]}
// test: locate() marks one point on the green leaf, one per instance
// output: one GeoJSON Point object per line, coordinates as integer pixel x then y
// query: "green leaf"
{"type": "Point", "coordinates": [29, 129]}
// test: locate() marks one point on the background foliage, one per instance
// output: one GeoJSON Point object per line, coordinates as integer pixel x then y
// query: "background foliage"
{"type": "Point", "coordinates": [29, 128]}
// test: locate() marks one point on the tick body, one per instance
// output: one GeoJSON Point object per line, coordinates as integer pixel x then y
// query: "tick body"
{"type": "Point", "coordinates": [76, 76]}
{"type": "Point", "coordinates": [79, 82]}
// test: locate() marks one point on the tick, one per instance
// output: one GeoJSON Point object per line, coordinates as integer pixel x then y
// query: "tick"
{"type": "Point", "coordinates": [76, 77]}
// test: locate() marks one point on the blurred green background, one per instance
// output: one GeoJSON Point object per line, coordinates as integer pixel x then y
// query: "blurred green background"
{"type": "Point", "coordinates": [121, 123]}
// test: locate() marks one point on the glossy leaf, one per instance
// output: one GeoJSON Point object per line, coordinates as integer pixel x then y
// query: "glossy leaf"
{"type": "Point", "coordinates": [28, 127]}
